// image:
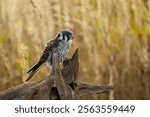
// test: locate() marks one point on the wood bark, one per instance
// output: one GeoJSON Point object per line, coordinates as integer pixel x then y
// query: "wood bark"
{"type": "Point", "coordinates": [61, 84]}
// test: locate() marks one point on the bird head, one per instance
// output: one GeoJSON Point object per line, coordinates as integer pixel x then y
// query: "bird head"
{"type": "Point", "coordinates": [65, 35]}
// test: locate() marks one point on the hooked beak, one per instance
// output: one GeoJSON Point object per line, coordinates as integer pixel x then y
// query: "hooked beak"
{"type": "Point", "coordinates": [72, 37]}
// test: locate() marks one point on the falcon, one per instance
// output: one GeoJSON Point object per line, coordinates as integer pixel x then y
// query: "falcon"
{"type": "Point", "coordinates": [60, 45]}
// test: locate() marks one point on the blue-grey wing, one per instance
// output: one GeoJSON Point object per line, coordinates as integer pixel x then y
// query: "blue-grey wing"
{"type": "Point", "coordinates": [47, 53]}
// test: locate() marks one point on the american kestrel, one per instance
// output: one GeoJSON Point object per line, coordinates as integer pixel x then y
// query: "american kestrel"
{"type": "Point", "coordinates": [60, 45]}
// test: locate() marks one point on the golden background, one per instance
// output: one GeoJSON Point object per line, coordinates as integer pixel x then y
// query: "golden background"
{"type": "Point", "coordinates": [113, 37]}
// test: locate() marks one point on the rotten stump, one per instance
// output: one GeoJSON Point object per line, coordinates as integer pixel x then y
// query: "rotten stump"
{"type": "Point", "coordinates": [61, 84]}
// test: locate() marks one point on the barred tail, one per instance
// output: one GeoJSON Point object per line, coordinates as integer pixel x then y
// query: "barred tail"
{"type": "Point", "coordinates": [34, 70]}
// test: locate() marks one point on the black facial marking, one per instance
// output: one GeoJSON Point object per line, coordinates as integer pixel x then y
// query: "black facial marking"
{"type": "Point", "coordinates": [68, 37]}
{"type": "Point", "coordinates": [58, 35]}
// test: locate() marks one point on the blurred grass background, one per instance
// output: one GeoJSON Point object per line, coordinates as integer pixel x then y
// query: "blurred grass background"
{"type": "Point", "coordinates": [113, 37]}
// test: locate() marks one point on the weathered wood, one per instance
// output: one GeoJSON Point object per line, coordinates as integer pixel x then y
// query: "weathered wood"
{"type": "Point", "coordinates": [61, 84]}
{"type": "Point", "coordinates": [86, 89]}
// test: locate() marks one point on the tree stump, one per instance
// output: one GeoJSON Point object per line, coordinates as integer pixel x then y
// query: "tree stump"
{"type": "Point", "coordinates": [61, 84]}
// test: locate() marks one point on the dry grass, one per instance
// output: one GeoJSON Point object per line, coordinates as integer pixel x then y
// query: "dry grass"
{"type": "Point", "coordinates": [113, 37]}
